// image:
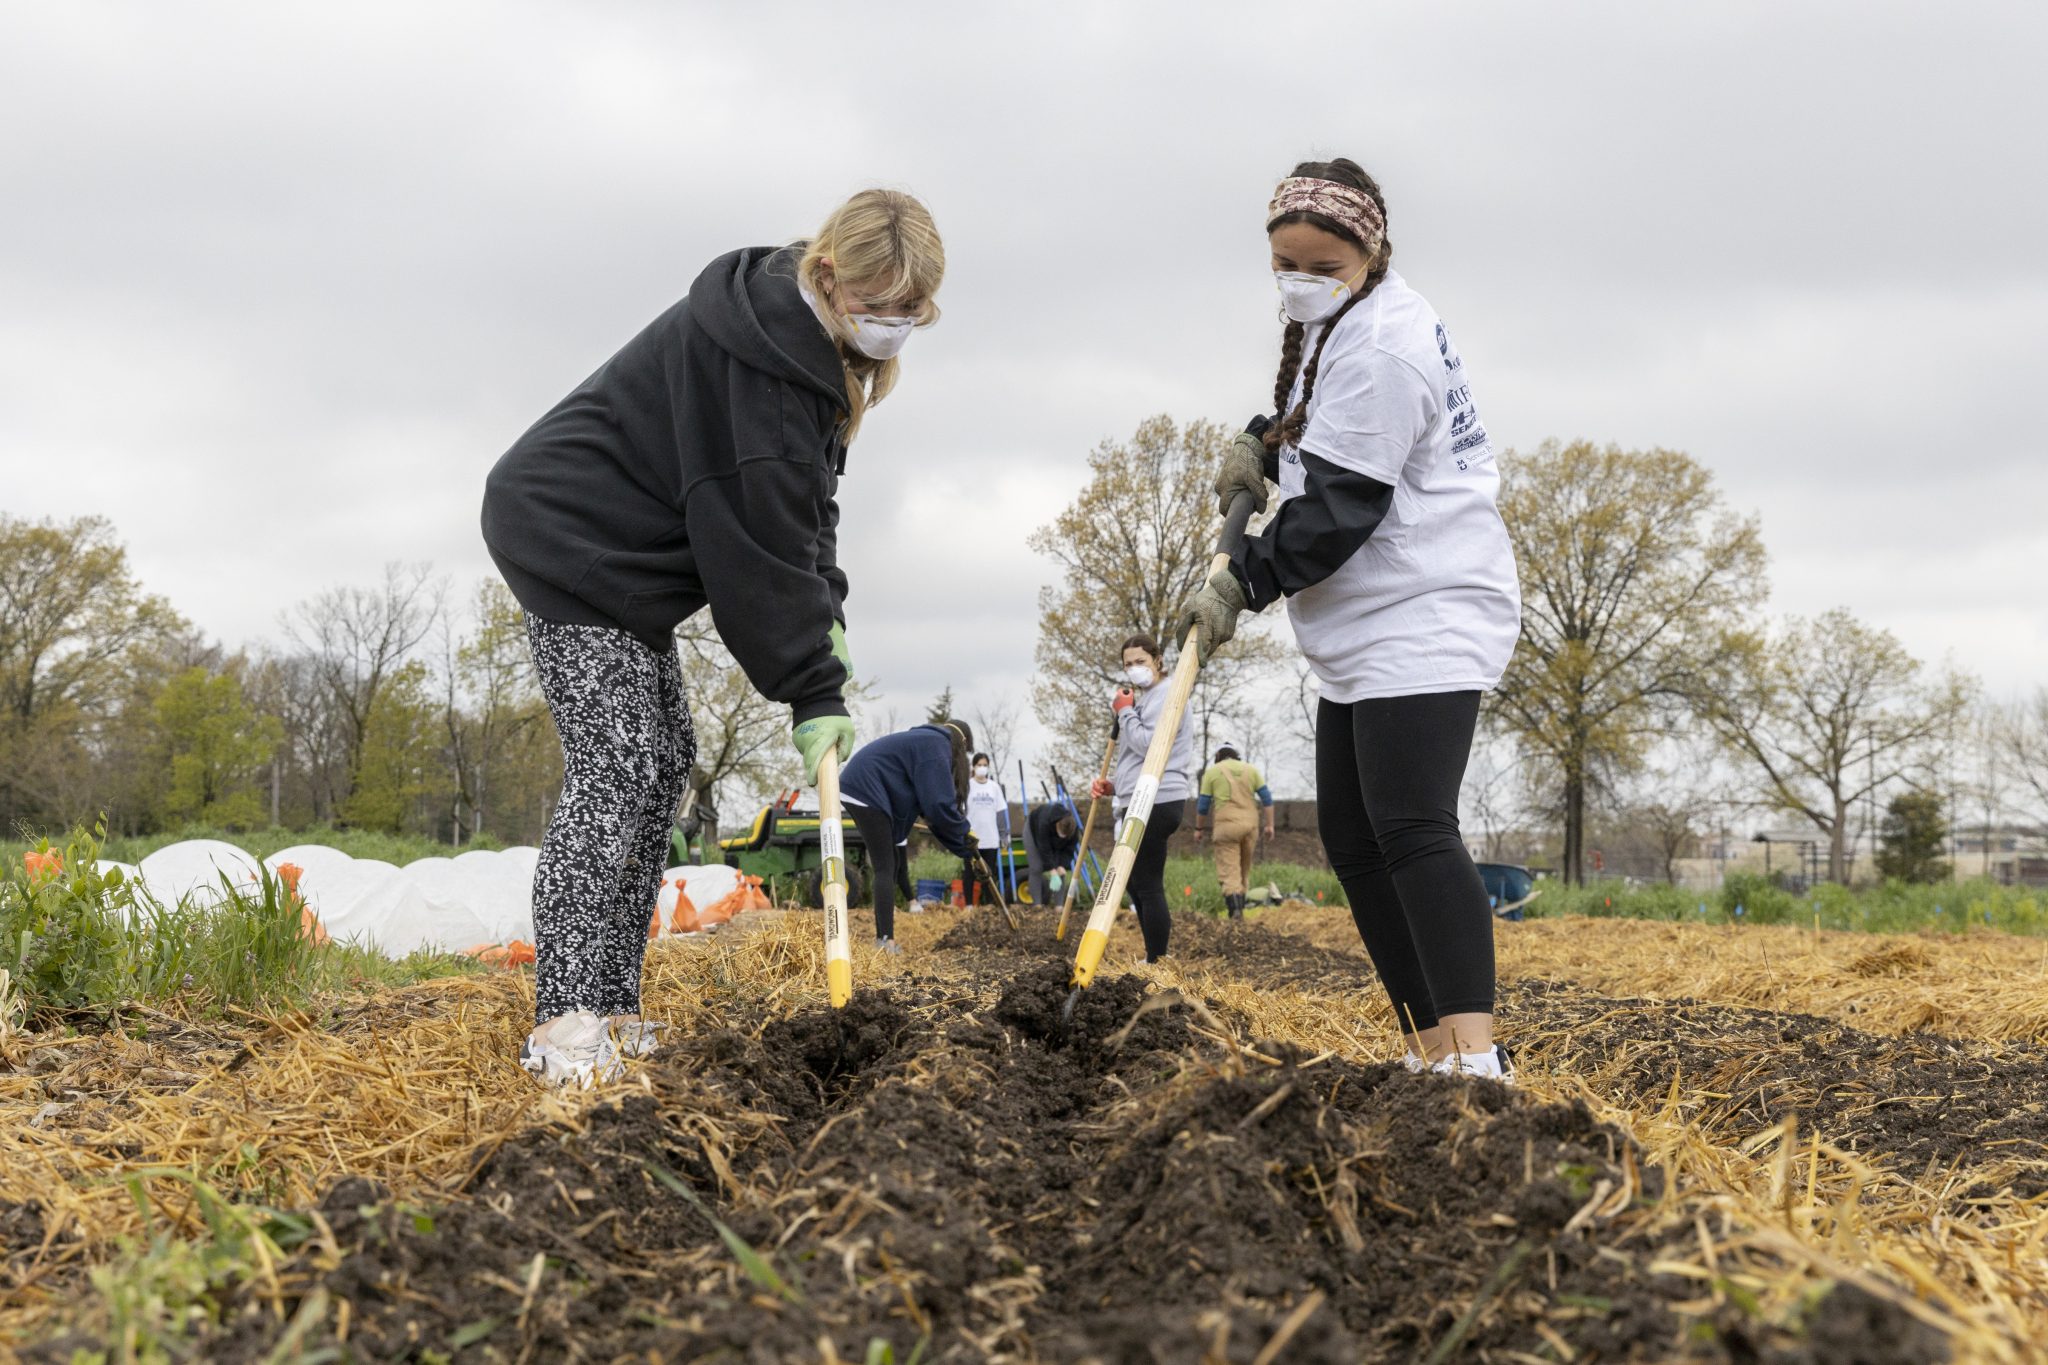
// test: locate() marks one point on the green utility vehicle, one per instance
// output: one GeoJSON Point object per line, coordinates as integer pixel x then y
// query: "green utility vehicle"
{"type": "Point", "coordinates": [781, 848]}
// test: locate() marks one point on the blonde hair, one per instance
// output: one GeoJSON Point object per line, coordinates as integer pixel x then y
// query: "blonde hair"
{"type": "Point", "coordinates": [884, 244]}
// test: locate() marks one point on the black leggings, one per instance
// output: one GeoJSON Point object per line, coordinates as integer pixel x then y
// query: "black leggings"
{"type": "Point", "coordinates": [878, 836]}
{"type": "Point", "coordinates": [1147, 886]}
{"type": "Point", "coordinates": [1387, 777]}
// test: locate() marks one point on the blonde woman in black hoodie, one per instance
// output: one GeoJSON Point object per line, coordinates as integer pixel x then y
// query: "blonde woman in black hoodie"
{"type": "Point", "coordinates": [697, 467]}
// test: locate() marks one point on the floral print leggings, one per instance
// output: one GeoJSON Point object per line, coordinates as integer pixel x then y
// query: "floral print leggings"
{"type": "Point", "coordinates": [627, 751]}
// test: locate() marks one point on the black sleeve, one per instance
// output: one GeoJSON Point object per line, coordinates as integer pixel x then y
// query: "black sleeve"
{"type": "Point", "coordinates": [757, 535]}
{"type": "Point", "coordinates": [828, 557]}
{"type": "Point", "coordinates": [1312, 534]}
{"type": "Point", "coordinates": [938, 802]}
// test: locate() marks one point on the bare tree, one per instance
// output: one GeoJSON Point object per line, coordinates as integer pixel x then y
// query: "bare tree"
{"type": "Point", "coordinates": [995, 729]}
{"type": "Point", "coordinates": [2022, 732]}
{"type": "Point", "coordinates": [1829, 712]}
{"type": "Point", "coordinates": [1632, 572]}
{"type": "Point", "coordinates": [742, 736]}
{"type": "Point", "coordinates": [1131, 548]}
{"type": "Point", "coordinates": [490, 697]}
{"type": "Point", "coordinates": [358, 638]}
{"type": "Point", "coordinates": [1492, 779]}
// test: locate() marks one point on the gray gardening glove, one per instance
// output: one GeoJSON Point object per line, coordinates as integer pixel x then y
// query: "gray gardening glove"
{"type": "Point", "coordinates": [1244, 471]}
{"type": "Point", "coordinates": [1212, 614]}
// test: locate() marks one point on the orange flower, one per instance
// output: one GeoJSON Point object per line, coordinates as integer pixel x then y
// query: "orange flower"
{"type": "Point", "coordinates": [310, 927]}
{"type": "Point", "coordinates": [289, 874]}
{"type": "Point", "coordinates": [42, 866]}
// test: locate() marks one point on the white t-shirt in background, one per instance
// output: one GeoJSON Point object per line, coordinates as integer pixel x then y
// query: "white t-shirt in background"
{"type": "Point", "coordinates": [985, 805]}
{"type": "Point", "coordinates": [1430, 603]}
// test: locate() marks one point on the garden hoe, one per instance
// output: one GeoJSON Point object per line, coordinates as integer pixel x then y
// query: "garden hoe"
{"type": "Point", "coordinates": [995, 890]}
{"type": "Point", "coordinates": [832, 878]}
{"type": "Point", "coordinates": [1094, 803]}
{"type": "Point", "coordinates": [1096, 936]}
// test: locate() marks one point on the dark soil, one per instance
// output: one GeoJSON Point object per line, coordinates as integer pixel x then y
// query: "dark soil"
{"type": "Point", "coordinates": [1910, 1103]}
{"type": "Point", "coordinates": [1848, 1327]}
{"type": "Point", "coordinates": [1269, 956]}
{"type": "Point", "coordinates": [21, 1226]}
{"type": "Point", "coordinates": [967, 1174]}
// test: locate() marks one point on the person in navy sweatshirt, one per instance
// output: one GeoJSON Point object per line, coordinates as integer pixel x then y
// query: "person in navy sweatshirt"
{"type": "Point", "coordinates": [888, 784]}
{"type": "Point", "coordinates": [698, 467]}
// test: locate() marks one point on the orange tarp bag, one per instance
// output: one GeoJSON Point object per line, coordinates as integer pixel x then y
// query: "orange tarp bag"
{"type": "Point", "coordinates": [517, 953]}
{"type": "Point", "coordinates": [684, 919]}
{"type": "Point", "coordinates": [745, 895]}
{"type": "Point", "coordinates": [310, 927]}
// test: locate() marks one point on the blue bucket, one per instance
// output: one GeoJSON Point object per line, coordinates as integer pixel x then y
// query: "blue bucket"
{"type": "Point", "coordinates": [931, 889]}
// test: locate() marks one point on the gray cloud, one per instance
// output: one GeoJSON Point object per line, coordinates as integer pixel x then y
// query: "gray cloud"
{"type": "Point", "coordinates": [281, 282]}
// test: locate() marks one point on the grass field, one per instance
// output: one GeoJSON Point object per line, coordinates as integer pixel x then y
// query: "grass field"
{"type": "Point", "coordinates": [1730, 1142]}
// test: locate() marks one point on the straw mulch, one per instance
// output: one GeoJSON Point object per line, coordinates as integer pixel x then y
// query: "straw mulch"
{"type": "Point", "coordinates": [415, 1088]}
{"type": "Point", "coordinates": [1776, 1209]}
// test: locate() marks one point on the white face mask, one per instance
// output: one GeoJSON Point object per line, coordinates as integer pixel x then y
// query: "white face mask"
{"type": "Point", "coordinates": [1311, 298]}
{"type": "Point", "coordinates": [981, 772]}
{"type": "Point", "coordinates": [1139, 674]}
{"type": "Point", "coordinates": [879, 338]}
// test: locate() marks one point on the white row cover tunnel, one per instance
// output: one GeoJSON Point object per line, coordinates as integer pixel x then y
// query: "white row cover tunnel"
{"type": "Point", "coordinates": [482, 896]}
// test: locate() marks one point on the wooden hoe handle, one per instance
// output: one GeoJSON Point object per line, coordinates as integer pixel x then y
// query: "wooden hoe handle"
{"type": "Point", "coordinates": [1111, 893]}
{"type": "Point", "coordinates": [832, 852]}
{"type": "Point", "coordinates": [1087, 829]}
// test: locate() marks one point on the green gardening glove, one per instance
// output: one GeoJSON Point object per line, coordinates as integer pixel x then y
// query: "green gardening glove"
{"type": "Point", "coordinates": [1244, 471]}
{"type": "Point", "coordinates": [819, 736]}
{"type": "Point", "coordinates": [1212, 614]}
{"type": "Point", "coordinates": [837, 637]}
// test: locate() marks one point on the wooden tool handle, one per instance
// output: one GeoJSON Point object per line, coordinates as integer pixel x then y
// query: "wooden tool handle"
{"type": "Point", "coordinates": [1100, 919]}
{"type": "Point", "coordinates": [832, 852]}
{"type": "Point", "coordinates": [1087, 829]}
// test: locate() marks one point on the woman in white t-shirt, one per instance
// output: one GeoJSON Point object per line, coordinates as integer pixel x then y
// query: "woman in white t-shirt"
{"type": "Point", "coordinates": [1400, 584]}
{"type": "Point", "coordinates": [988, 815]}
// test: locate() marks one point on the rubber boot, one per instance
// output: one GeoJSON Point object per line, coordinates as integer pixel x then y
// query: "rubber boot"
{"type": "Point", "coordinates": [1236, 904]}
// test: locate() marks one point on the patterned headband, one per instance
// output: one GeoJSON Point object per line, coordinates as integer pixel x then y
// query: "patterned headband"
{"type": "Point", "coordinates": [1353, 208]}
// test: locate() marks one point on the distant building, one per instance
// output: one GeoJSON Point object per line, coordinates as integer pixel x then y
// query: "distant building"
{"type": "Point", "coordinates": [2011, 855]}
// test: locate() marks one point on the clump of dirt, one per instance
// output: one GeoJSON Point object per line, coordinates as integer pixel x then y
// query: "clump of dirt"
{"type": "Point", "coordinates": [986, 931]}
{"type": "Point", "coordinates": [1849, 1325]}
{"type": "Point", "coordinates": [21, 1226]}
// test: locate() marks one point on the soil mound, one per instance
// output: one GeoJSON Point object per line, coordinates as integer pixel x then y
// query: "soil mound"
{"type": "Point", "coordinates": [971, 1176]}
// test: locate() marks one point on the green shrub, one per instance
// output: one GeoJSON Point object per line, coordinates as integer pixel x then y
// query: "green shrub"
{"type": "Point", "coordinates": [1758, 900]}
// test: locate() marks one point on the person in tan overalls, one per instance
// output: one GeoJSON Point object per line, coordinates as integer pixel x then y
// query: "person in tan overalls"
{"type": "Point", "coordinates": [1232, 797]}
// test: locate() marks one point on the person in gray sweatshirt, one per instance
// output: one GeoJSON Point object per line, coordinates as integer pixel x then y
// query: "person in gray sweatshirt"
{"type": "Point", "coordinates": [1137, 708]}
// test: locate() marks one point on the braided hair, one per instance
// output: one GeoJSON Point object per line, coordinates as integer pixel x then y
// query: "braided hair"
{"type": "Point", "coordinates": [1288, 430]}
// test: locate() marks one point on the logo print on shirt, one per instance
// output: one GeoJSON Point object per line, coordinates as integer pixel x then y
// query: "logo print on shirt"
{"type": "Point", "coordinates": [1467, 432]}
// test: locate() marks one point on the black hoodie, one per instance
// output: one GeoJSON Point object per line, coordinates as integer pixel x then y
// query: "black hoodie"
{"type": "Point", "coordinates": [697, 467]}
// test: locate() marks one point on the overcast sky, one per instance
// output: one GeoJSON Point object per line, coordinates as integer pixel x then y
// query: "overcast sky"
{"type": "Point", "coordinates": [278, 282]}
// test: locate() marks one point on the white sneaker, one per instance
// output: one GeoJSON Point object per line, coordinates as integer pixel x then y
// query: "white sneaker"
{"type": "Point", "coordinates": [889, 946]}
{"type": "Point", "coordinates": [1496, 1065]}
{"type": "Point", "coordinates": [638, 1037]}
{"type": "Point", "coordinates": [1414, 1064]}
{"type": "Point", "coordinates": [573, 1051]}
